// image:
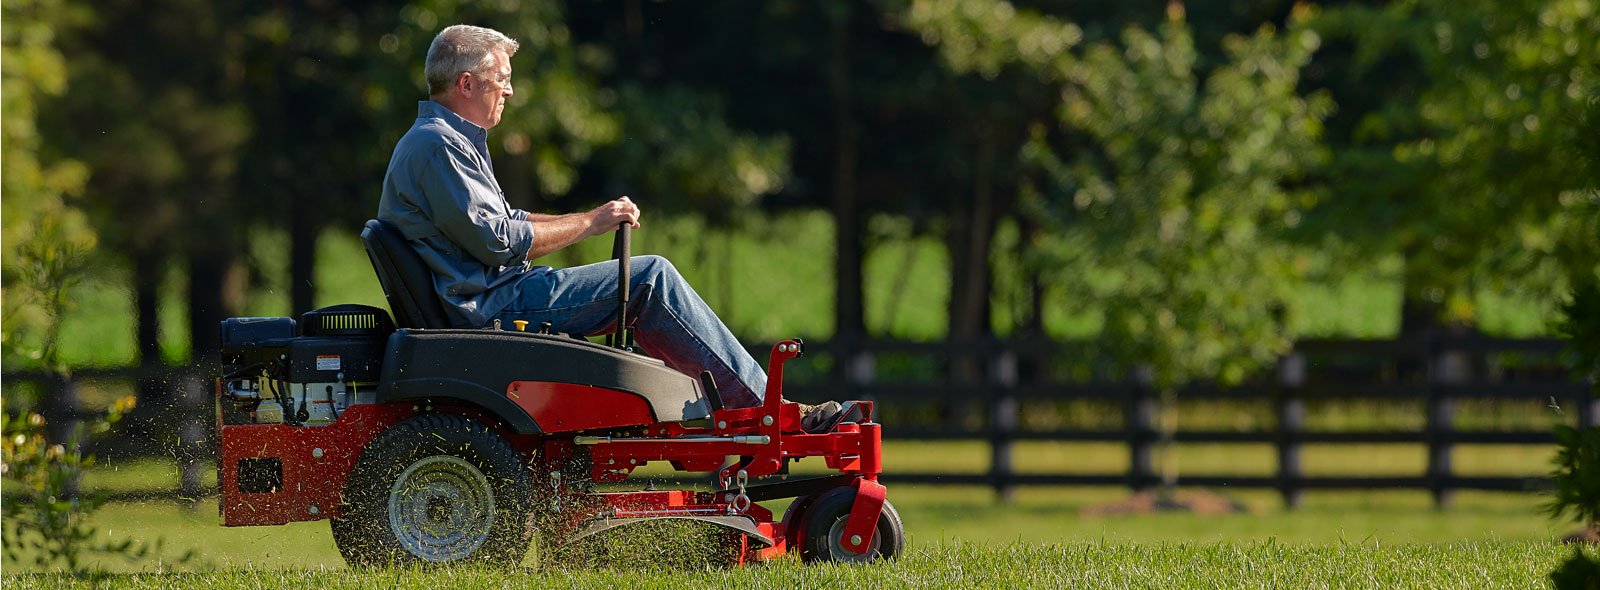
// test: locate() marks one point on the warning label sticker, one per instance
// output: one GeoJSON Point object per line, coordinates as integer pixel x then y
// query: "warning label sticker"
{"type": "Point", "coordinates": [327, 362]}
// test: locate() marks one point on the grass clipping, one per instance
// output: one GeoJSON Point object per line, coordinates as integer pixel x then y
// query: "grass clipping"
{"type": "Point", "coordinates": [656, 544]}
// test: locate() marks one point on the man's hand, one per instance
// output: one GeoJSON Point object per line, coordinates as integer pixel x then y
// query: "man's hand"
{"type": "Point", "coordinates": [554, 232]}
{"type": "Point", "coordinates": [610, 215]}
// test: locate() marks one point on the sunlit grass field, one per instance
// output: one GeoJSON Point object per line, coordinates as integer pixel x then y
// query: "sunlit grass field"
{"type": "Point", "coordinates": [939, 517]}
{"type": "Point", "coordinates": [1035, 522]}
{"type": "Point", "coordinates": [1096, 564]}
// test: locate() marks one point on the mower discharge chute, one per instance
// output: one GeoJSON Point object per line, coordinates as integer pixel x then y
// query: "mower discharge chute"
{"type": "Point", "coordinates": [431, 445]}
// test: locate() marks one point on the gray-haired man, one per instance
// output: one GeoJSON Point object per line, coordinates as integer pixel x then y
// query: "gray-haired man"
{"type": "Point", "coordinates": [440, 191]}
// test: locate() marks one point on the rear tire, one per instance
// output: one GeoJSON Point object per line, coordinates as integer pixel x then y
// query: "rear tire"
{"type": "Point", "coordinates": [436, 489]}
{"type": "Point", "coordinates": [822, 528]}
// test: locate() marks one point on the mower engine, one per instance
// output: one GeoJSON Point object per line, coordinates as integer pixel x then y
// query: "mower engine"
{"type": "Point", "coordinates": [276, 371]}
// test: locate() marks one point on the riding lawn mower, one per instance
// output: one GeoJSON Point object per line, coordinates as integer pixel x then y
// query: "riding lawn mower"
{"type": "Point", "coordinates": [424, 444]}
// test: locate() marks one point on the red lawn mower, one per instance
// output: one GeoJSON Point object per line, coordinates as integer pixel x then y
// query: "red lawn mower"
{"type": "Point", "coordinates": [430, 445]}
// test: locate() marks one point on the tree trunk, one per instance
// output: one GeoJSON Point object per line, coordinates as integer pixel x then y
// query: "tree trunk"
{"type": "Point", "coordinates": [141, 426]}
{"type": "Point", "coordinates": [972, 225]}
{"type": "Point", "coordinates": [305, 222]}
{"type": "Point", "coordinates": [214, 295]}
{"type": "Point", "coordinates": [149, 270]}
{"type": "Point", "coordinates": [1029, 316]}
{"type": "Point", "coordinates": [216, 291]}
{"type": "Point", "coordinates": [849, 323]}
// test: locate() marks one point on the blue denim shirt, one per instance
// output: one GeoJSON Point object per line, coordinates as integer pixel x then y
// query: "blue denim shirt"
{"type": "Point", "coordinates": [441, 193]}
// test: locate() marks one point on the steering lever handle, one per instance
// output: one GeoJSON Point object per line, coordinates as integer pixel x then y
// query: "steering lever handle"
{"type": "Point", "coordinates": [620, 250]}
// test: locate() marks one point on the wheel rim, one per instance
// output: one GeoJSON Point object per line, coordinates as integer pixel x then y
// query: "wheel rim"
{"type": "Point", "coordinates": [441, 508]}
{"type": "Point", "coordinates": [836, 547]}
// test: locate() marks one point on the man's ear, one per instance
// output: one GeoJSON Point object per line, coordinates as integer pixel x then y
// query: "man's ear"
{"type": "Point", "coordinates": [464, 84]}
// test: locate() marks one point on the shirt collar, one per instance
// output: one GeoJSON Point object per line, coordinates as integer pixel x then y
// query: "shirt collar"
{"type": "Point", "coordinates": [428, 109]}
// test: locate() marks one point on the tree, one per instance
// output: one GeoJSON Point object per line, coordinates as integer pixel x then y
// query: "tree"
{"type": "Point", "coordinates": [1173, 188]}
{"type": "Point", "coordinates": [1167, 191]}
{"type": "Point", "coordinates": [1460, 164]}
{"type": "Point", "coordinates": [47, 249]}
{"type": "Point", "coordinates": [1577, 463]}
{"type": "Point", "coordinates": [47, 241]}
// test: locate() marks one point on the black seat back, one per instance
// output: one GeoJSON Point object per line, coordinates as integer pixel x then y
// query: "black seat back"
{"type": "Point", "coordinates": [406, 280]}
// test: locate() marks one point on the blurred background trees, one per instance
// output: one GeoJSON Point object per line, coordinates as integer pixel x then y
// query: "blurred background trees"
{"type": "Point", "coordinates": [1164, 175]}
{"type": "Point", "coordinates": [1460, 155]}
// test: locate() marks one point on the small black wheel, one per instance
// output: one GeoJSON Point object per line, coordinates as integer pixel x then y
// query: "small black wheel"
{"type": "Point", "coordinates": [436, 489]}
{"type": "Point", "coordinates": [822, 530]}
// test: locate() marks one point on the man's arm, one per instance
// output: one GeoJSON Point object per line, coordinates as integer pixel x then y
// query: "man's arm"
{"type": "Point", "coordinates": [462, 202]}
{"type": "Point", "coordinates": [554, 232]}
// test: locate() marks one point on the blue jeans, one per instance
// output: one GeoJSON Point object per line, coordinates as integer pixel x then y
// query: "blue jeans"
{"type": "Point", "coordinates": [671, 322]}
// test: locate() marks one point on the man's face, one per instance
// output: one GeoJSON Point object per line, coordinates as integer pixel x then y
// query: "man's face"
{"type": "Point", "coordinates": [491, 88]}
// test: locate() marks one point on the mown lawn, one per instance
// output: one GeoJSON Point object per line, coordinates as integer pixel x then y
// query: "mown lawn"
{"type": "Point", "coordinates": [939, 515]}
{"type": "Point", "coordinates": [960, 536]}
{"type": "Point", "coordinates": [1094, 564]}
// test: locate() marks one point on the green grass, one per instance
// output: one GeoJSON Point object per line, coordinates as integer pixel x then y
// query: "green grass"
{"type": "Point", "coordinates": [938, 516]}
{"type": "Point", "coordinates": [1093, 564]}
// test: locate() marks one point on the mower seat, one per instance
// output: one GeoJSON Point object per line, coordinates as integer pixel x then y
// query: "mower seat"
{"type": "Point", "coordinates": [407, 282]}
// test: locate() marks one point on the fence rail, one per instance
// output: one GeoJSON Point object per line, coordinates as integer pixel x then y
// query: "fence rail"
{"type": "Point", "coordinates": [1000, 376]}
{"type": "Point", "coordinates": [1432, 370]}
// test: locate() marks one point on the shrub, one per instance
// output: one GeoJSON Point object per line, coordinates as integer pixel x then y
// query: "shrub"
{"type": "Point", "coordinates": [1577, 464]}
{"type": "Point", "coordinates": [46, 518]}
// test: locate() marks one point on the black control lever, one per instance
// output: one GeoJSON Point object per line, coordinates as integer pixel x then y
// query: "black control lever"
{"type": "Point", "coordinates": [623, 337]}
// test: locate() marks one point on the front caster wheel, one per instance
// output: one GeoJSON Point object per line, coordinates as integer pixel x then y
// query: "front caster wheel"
{"type": "Point", "coordinates": [436, 488]}
{"type": "Point", "coordinates": [822, 530]}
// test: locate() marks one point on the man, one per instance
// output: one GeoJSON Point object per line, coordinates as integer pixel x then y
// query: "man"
{"type": "Point", "coordinates": [440, 191]}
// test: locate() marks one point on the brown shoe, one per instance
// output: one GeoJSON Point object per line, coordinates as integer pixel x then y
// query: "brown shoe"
{"type": "Point", "coordinates": [820, 418]}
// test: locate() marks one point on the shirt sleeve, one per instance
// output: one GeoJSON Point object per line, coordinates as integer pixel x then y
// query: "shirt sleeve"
{"type": "Point", "coordinates": [467, 208]}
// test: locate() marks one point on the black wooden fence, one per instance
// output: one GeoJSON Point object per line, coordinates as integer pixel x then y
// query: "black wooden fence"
{"type": "Point", "coordinates": [993, 379]}
{"type": "Point", "coordinates": [1434, 371]}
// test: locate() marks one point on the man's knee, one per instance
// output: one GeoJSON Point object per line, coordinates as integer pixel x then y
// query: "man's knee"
{"type": "Point", "coordinates": [651, 265]}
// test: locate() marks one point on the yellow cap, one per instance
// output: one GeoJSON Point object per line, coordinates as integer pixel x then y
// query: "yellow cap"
{"type": "Point", "coordinates": [522, 325]}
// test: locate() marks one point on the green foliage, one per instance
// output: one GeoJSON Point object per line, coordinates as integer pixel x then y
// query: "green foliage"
{"type": "Point", "coordinates": [1459, 156]}
{"type": "Point", "coordinates": [1576, 475]}
{"type": "Point", "coordinates": [1577, 471]}
{"type": "Point", "coordinates": [681, 152]}
{"type": "Point", "coordinates": [1184, 195]}
{"type": "Point", "coordinates": [1163, 183]}
{"type": "Point", "coordinates": [46, 516]}
{"type": "Point", "coordinates": [1579, 572]}
{"type": "Point", "coordinates": [1580, 325]}
{"type": "Point", "coordinates": [46, 241]}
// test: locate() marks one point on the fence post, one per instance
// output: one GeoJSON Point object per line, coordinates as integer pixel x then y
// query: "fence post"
{"type": "Point", "coordinates": [1291, 420]}
{"type": "Point", "coordinates": [1002, 421]}
{"type": "Point", "coordinates": [1140, 417]}
{"type": "Point", "coordinates": [1445, 367]}
{"type": "Point", "coordinates": [860, 369]}
{"type": "Point", "coordinates": [59, 407]}
{"type": "Point", "coordinates": [193, 434]}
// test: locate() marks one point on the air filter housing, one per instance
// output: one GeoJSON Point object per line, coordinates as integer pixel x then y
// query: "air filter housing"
{"type": "Point", "coordinates": [346, 320]}
{"type": "Point", "coordinates": [342, 343]}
